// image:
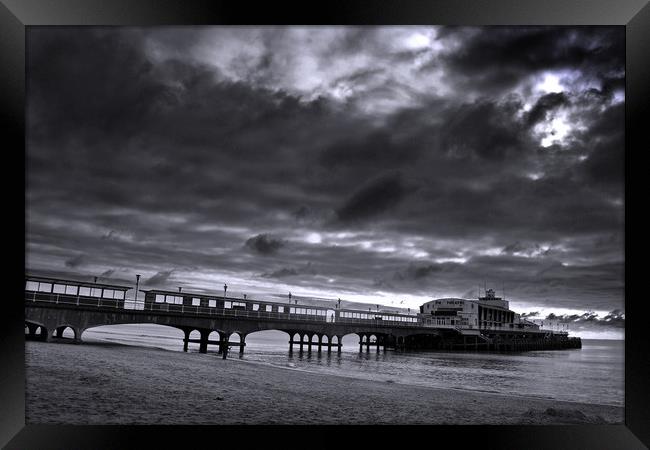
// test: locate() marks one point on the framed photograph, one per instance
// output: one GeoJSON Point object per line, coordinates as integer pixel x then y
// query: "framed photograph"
{"type": "Point", "coordinates": [397, 217]}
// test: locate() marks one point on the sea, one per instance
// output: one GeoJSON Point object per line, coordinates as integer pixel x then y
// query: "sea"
{"type": "Point", "coordinates": [593, 374]}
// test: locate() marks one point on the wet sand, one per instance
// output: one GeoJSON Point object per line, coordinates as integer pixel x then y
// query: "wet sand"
{"type": "Point", "coordinates": [117, 384]}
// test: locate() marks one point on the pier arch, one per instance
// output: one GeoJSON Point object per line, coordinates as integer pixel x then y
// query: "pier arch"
{"type": "Point", "coordinates": [36, 331]}
{"type": "Point", "coordinates": [68, 332]}
{"type": "Point", "coordinates": [132, 332]}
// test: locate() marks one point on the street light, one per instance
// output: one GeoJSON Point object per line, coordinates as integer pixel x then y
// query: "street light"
{"type": "Point", "coordinates": [137, 284]}
{"type": "Point", "coordinates": [225, 288]}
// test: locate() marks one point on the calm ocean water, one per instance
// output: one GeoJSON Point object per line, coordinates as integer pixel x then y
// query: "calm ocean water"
{"type": "Point", "coordinates": [593, 374]}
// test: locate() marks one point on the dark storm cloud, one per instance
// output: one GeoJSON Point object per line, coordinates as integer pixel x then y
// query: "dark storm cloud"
{"type": "Point", "coordinates": [281, 273]}
{"type": "Point", "coordinates": [377, 148]}
{"type": "Point", "coordinates": [264, 245]}
{"type": "Point", "coordinates": [499, 59]}
{"type": "Point", "coordinates": [308, 269]}
{"type": "Point", "coordinates": [75, 262]}
{"type": "Point", "coordinates": [149, 152]}
{"type": "Point", "coordinates": [486, 129]}
{"type": "Point", "coordinates": [545, 104]}
{"type": "Point", "coordinates": [160, 278]}
{"type": "Point", "coordinates": [605, 164]}
{"type": "Point", "coordinates": [415, 272]}
{"type": "Point", "coordinates": [375, 197]}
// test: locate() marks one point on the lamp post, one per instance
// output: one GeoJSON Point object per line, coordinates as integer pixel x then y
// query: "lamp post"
{"type": "Point", "coordinates": [339, 304]}
{"type": "Point", "coordinates": [137, 285]}
{"type": "Point", "coordinates": [225, 288]}
{"type": "Point", "coordinates": [289, 297]}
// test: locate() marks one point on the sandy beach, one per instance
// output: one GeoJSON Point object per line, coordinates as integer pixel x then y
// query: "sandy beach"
{"type": "Point", "coordinates": [118, 384]}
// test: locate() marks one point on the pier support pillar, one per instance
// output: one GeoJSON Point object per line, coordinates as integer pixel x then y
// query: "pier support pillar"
{"type": "Point", "coordinates": [77, 334]}
{"type": "Point", "coordinates": [186, 339]}
{"type": "Point", "coordinates": [46, 334]}
{"type": "Point", "coordinates": [242, 343]}
{"type": "Point", "coordinates": [339, 342]}
{"type": "Point", "coordinates": [224, 343]}
{"type": "Point", "coordinates": [320, 343]}
{"type": "Point", "coordinates": [203, 344]}
{"type": "Point", "coordinates": [32, 330]}
{"type": "Point", "coordinates": [302, 339]}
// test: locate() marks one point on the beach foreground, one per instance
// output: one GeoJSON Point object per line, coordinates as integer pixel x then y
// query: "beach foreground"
{"type": "Point", "coordinates": [117, 384]}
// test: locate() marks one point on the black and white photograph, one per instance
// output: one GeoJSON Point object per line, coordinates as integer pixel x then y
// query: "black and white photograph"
{"type": "Point", "coordinates": [325, 225]}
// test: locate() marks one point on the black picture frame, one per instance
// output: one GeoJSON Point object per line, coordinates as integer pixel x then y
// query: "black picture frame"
{"type": "Point", "coordinates": [16, 15]}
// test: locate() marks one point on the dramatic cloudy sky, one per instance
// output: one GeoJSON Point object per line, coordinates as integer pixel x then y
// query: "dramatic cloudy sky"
{"type": "Point", "coordinates": [384, 165]}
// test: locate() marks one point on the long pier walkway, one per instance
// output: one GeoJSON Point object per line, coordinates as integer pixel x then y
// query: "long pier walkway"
{"type": "Point", "coordinates": [48, 314]}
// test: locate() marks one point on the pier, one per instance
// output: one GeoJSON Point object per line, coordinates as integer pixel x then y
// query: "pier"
{"type": "Point", "coordinates": [52, 306]}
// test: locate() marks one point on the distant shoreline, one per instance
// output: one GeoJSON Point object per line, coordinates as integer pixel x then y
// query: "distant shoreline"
{"type": "Point", "coordinates": [121, 384]}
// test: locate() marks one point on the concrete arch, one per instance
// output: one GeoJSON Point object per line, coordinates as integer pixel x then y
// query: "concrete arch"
{"type": "Point", "coordinates": [194, 334]}
{"type": "Point", "coordinates": [36, 331]}
{"type": "Point", "coordinates": [126, 326]}
{"type": "Point", "coordinates": [236, 336]}
{"type": "Point", "coordinates": [60, 332]}
{"type": "Point", "coordinates": [290, 333]}
{"type": "Point", "coordinates": [100, 325]}
{"type": "Point", "coordinates": [351, 338]}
